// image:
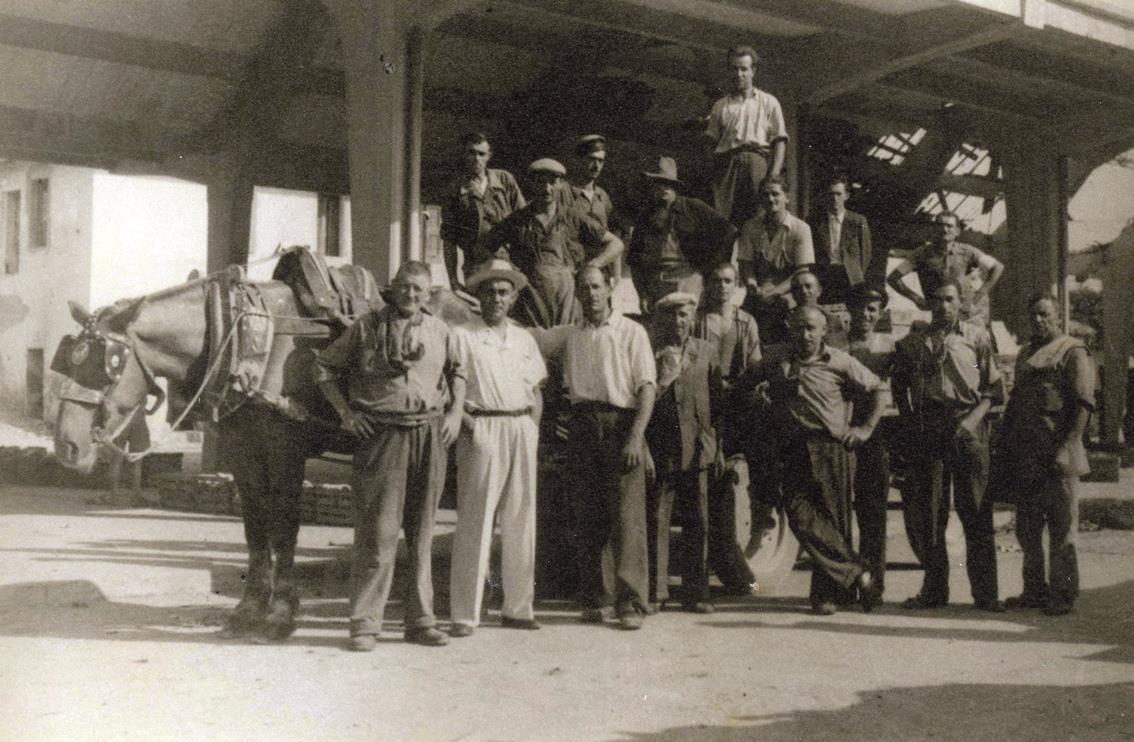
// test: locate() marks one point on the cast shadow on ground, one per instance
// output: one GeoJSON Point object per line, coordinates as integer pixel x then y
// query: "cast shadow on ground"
{"type": "Point", "coordinates": [943, 713]}
{"type": "Point", "coordinates": [1102, 617]}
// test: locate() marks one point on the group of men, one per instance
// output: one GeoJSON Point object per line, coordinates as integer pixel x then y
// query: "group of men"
{"type": "Point", "coordinates": [661, 412]}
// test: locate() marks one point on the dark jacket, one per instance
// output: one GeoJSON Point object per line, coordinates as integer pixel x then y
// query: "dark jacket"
{"type": "Point", "coordinates": [693, 391]}
{"type": "Point", "coordinates": [706, 237]}
{"type": "Point", "coordinates": [863, 264]}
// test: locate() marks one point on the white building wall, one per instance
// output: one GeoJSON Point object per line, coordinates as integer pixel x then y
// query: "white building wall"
{"type": "Point", "coordinates": [282, 218]}
{"type": "Point", "coordinates": [33, 301]}
{"type": "Point", "coordinates": [148, 234]}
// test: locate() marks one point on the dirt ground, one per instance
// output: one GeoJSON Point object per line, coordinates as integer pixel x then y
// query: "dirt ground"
{"type": "Point", "coordinates": [108, 621]}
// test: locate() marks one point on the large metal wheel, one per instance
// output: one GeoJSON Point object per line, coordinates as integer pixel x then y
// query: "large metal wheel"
{"type": "Point", "coordinates": [771, 553]}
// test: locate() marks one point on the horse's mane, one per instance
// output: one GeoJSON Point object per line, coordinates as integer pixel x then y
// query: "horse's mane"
{"type": "Point", "coordinates": [111, 311]}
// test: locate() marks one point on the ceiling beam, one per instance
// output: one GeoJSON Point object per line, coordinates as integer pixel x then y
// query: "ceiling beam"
{"type": "Point", "coordinates": [47, 135]}
{"type": "Point", "coordinates": [155, 54]}
{"type": "Point", "coordinates": [921, 37]}
{"type": "Point", "coordinates": [980, 95]}
{"type": "Point", "coordinates": [1046, 63]}
{"type": "Point", "coordinates": [972, 185]}
{"type": "Point", "coordinates": [1025, 81]}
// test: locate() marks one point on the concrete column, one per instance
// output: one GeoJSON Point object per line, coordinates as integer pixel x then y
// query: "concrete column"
{"type": "Point", "coordinates": [1118, 314]}
{"type": "Point", "coordinates": [1036, 231]}
{"type": "Point", "coordinates": [374, 43]}
{"type": "Point", "coordinates": [415, 94]}
{"type": "Point", "coordinates": [230, 218]}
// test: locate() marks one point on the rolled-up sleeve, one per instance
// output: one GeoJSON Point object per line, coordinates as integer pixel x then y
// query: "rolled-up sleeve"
{"type": "Point", "coordinates": [1081, 377]}
{"type": "Point", "coordinates": [804, 249]}
{"type": "Point", "coordinates": [337, 358]}
{"type": "Point", "coordinates": [456, 354]}
{"type": "Point", "coordinates": [991, 380]}
{"type": "Point", "coordinates": [777, 127]}
{"type": "Point", "coordinates": [861, 378]}
{"type": "Point", "coordinates": [643, 369]}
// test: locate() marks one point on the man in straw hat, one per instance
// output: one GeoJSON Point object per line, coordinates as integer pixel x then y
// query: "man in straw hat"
{"type": "Point", "coordinates": [496, 453]}
{"type": "Point", "coordinates": [675, 239]}
{"type": "Point", "coordinates": [547, 241]}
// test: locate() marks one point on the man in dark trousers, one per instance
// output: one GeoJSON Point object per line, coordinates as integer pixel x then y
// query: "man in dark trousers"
{"type": "Point", "coordinates": [805, 385]}
{"type": "Point", "coordinates": [874, 350]}
{"type": "Point", "coordinates": [682, 450]}
{"type": "Point", "coordinates": [845, 258]}
{"type": "Point", "coordinates": [944, 382]}
{"type": "Point", "coordinates": [1042, 436]}
{"type": "Point", "coordinates": [675, 239]}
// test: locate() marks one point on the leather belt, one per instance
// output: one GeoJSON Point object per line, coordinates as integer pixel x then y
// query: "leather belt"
{"type": "Point", "coordinates": [501, 413]}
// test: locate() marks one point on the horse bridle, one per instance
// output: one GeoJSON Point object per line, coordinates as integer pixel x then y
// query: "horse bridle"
{"type": "Point", "coordinates": [91, 382]}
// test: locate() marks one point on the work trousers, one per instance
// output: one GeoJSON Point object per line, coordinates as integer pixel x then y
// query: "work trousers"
{"type": "Point", "coordinates": [944, 457]}
{"type": "Point", "coordinates": [609, 501]}
{"type": "Point", "coordinates": [737, 176]}
{"type": "Point", "coordinates": [816, 475]}
{"type": "Point", "coordinates": [496, 476]}
{"type": "Point", "coordinates": [1052, 502]}
{"type": "Point", "coordinates": [689, 491]}
{"type": "Point", "coordinates": [871, 491]}
{"type": "Point", "coordinates": [398, 477]}
{"type": "Point", "coordinates": [656, 284]}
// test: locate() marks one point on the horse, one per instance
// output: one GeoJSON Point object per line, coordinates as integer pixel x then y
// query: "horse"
{"type": "Point", "coordinates": [112, 368]}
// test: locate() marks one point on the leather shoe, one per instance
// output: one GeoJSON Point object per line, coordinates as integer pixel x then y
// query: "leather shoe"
{"type": "Point", "coordinates": [527, 624]}
{"type": "Point", "coordinates": [459, 630]}
{"type": "Point", "coordinates": [596, 615]}
{"type": "Point", "coordinates": [1058, 609]}
{"type": "Point", "coordinates": [826, 608]}
{"type": "Point", "coordinates": [921, 601]}
{"type": "Point", "coordinates": [362, 643]}
{"type": "Point", "coordinates": [1023, 601]}
{"type": "Point", "coordinates": [989, 606]}
{"type": "Point", "coordinates": [630, 621]}
{"type": "Point", "coordinates": [427, 636]}
{"type": "Point", "coordinates": [701, 606]}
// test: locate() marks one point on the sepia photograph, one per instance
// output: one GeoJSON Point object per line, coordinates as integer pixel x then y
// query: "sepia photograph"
{"type": "Point", "coordinates": [567, 370]}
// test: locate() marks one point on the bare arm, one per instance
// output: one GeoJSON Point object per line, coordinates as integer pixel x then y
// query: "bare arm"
{"type": "Point", "coordinates": [894, 281]}
{"type": "Point", "coordinates": [611, 250]}
{"type": "Point", "coordinates": [994, 274]}
{"type": "Point", "coordinates": [779, 147]}
{"type": "Point", "coordinates": [632, 452]}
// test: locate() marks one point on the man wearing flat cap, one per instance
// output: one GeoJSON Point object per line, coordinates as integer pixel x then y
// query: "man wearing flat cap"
{"type": "Point", "coordinates": [675, 239]}
{"type": "Point", "coordinates": [480, 198]}
{"type": "Point", "coordinates": [548, 241]}
{"type": "Point", "coordinates": [496, 453]}
{"type": "Point", "coordinates": [590, 159]}
{"type": "Point", "coordinates": [682, 450]}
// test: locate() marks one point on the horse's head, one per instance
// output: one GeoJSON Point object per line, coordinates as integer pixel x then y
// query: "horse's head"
{"type": "Point", "coordinates": [106, 383]}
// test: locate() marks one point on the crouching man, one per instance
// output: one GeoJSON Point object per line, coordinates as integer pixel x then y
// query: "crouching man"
{"type": "Point", "coordinates": [496, 453]}
{"type": "Point", "coordinates": [682, 450]}
{"type": "Point", "coordinates": [405, 392]}
{"type": "Point", "coordinates": [805, 386]}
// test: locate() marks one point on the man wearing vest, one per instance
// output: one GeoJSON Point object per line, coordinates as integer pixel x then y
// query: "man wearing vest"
{"type": "Point", "coordinates": [1042, 436]}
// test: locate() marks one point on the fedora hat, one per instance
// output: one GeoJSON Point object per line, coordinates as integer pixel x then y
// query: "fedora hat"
{"type": "Point", "coordinates": [667, 172]}
{"type": "Point", "coordinates": [497, 269]}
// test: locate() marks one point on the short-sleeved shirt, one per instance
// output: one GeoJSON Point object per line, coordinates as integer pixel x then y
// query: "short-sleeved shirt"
{"type": "Point", "coordinates": [755, 120]}
{"type": "Point", "coordinates": [564, 242]}
{"type": "Point", "coordinates": [501, 372]}
{"type": "Point", "coordinates": [368, 352]}
{"type": "Point", "coordinates": [777, 256]}
{"type": "Point", "coordinates": [953, 368]}
{"type": "Point", "coordinates": [608, 363]}
{"type": "Point", "coordinates": [468, 215]}
{"type": "Point", "coordinates": [935, 268]}
{"type": "Point", "coordinates": [596, 204]}
{"type": "Point", "coordinates": [815, 394]}
{"type": "Point", "coordinates": [736, 339]}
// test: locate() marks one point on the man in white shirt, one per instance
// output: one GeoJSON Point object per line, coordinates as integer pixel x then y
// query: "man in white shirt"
{"type": "Point", "coordinates": [749, 139]}
{"type": "Point", "coordinates": [496, 454]}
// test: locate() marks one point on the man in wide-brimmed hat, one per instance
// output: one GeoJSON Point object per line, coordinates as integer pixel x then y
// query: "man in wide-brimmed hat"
{"type": "Point", "coordinates": [548, 241]}
{"type": "Point", "coordinates": [496, 452]}
{"type": "Point", "coordinates": [675, 239]}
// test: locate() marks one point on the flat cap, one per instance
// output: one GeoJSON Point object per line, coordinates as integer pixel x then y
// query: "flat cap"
{"type": "Point", "coordinates": [589, 143]}
{"type": "Point", "coordinates": [865, 293]}
{"type": "Point", "coordinates": [548, 165]}
{"type": "Point", "coordinates": [675, 299]}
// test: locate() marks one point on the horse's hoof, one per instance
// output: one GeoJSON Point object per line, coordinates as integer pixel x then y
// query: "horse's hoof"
{"type": "Point", "coordinates": [239, 626]}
